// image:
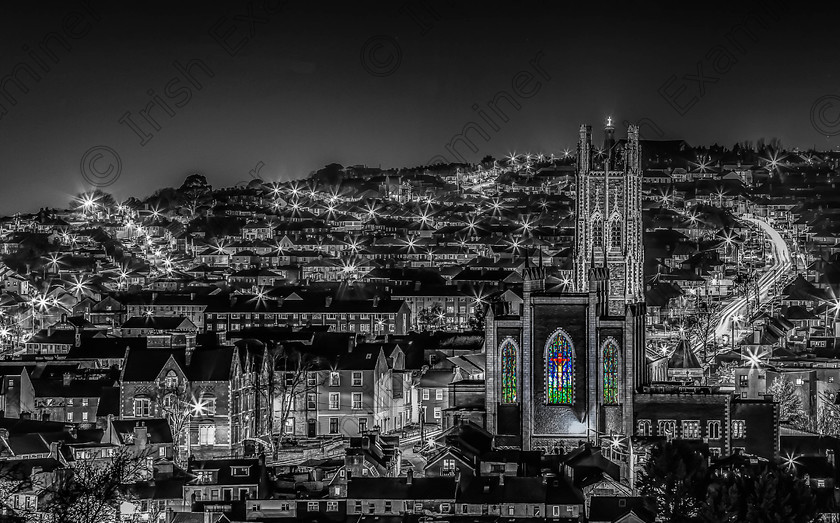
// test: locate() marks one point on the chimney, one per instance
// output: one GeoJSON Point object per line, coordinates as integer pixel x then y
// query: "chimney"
{"type": "Point", "coordinates": [141, 434]}
{"type": "Point", "coordinates": [409, 477]}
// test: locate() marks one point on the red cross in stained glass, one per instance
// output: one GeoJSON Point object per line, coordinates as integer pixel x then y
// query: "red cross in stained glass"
{"type": "Point", "coordinates": [559, 360]}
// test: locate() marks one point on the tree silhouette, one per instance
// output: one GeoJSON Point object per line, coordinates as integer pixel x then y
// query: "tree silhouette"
{"type": "Point", "coordinates": [675, 476]}
{"type": "Point", "coordinates": [768, 493]}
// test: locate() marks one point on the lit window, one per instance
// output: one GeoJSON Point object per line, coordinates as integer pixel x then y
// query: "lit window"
{"type": "Point", "coordinates": [643, 427]}
{"type": "Point", "coordinates": [559, 364]}
{"type": "Point", "coordinates": [508, 384]}
{"type": "Point", "coordinates": [690, 429]}
{"type": "Point", "coordinates": [438, 394]}
{"type": "Point", "coordinates": [334, 401]}
{"type": "Point", "coordinates": [610, 373]}
{"type": "Point", "coordinates": [334, 379]}
{"type": "Point", "coordinates": [739, 429]}
{"type": "Point", "coordinates": [437, 413]}
{"type": "Point", "coordinates": [207, 435]}
{"type": "Point", "coordinates": [425, 394]}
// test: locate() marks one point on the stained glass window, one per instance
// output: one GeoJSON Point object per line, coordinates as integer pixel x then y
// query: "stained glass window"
{"type": "Point", "coordinates": [508, 372]}
{"type": "Point", "coordinates": [559, 365]}
{"type": "Point", "coordinates": [610, 373]}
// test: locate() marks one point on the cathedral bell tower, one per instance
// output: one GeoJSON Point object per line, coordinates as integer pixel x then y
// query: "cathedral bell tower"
{"type": "Point", "coordinates": [608, 205]}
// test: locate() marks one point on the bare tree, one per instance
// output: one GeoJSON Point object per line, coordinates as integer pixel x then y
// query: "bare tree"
{"type": "Point", "coordinates": [790, 404]}
{"type": "Point", "coordinates": [285, 379]}
{"type": "Point", "coordinates": [178, 408]}
{"type": "Point", "coordinates": [87, 490]}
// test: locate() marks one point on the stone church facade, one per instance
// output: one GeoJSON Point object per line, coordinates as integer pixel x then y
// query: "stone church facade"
{"type": "Point", "coordinates": [565, 367]}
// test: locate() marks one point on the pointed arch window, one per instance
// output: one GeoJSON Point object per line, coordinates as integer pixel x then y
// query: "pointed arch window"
{"type": "Point", "coordinates": [508, 371]}
{"type": "Point", "coordinates": [559, 369]}
{"type": "Point", "coordinates": [597, 231]}
{"type": "Point", "coordinates": [615, 233]}
{"type": "Point", "coordinates": [610, 362]}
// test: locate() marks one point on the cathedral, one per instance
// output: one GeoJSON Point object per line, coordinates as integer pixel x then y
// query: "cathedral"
{"type": "Point", "coordinates": [564, 368]}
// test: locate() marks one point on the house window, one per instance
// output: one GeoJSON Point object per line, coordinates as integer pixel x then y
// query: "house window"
{"type": "Point", "coordinates": [334, 401]}
{"type": "Point", "coordinates": [357, 506]}
{"type": "Point", "coordinates": [425, 394]}
{"type": "Point", "coordinates": [207, 435]}
{"type": "Point", "coordinates": [555, 511]}
{"type": "Point", "coordinates": [142, 407]}
{"type": "Point", "coordinates": [333, 425]}
{"type": "Point", "coordinates": [206, 405]}
{"type": "Point", "coordinates": [84, 416]}
{"type": "Point", "coordinates": [388, 506]}
{"type": "Point", "coordinates": [371, 507]}
{"type": "Point", "coordinates": [332, 506]}
{"type": "Point", "coordinates": [312, 506]}
{"type": "Point", "coordinates": [444, 507]}
{"type": "Point", "coordinates": [437, 413]}
{"type": "Point", "coordinates": [743, 380]}
{"type": "Point", "coordinates": [311, 379]}
{"type": "Point", "coordinates": [357, 378]}
{"type": "Point", "coordinates": [70, 417]}
{"type": "Point", "coordinates": [448, 465]}
{"type": "Point", "coordinates": [739, 429]}
{"type": "Point", "coordinates": [310, 401]}
{"type": "Point", "coordinates": [438, 394]}
{"type": "Point", "coordinates": [335, 379]}
{"type": "Point", "coordinates": [690, 429]}
{"type": "Point", "coordinates": [713, 430]}
{"type": "Point", "coordinates": [643, 427]}
{"type": "Point", "coordinates": [511, 510]}
{"type": "Point", "coordinates": [357, 400]}
{"type": "Point", "coordinates": [362, 425]}
{"type": "Point", "coordinates": [289, 427]}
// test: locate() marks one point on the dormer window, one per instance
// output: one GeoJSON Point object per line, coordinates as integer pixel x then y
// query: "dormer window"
{"type": "Point", "coordinates": [171, 380]}
{"type": "Point", "coordinates": [239, 470]}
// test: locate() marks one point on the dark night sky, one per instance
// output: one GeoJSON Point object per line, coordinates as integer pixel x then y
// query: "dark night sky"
{"type": "Point", "coordinates": [296, 95]}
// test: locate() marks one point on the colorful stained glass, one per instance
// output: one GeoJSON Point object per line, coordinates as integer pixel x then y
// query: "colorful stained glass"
{"type": "Point", "coordinates": [508, 372]}
{"type": "Point", "coordinates": [610, 373]}
{"type": "Point", "coordinates": [559, 365]}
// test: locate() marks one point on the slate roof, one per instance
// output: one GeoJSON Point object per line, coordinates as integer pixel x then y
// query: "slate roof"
{"type": "Point", "coordinates": [683, 357]}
